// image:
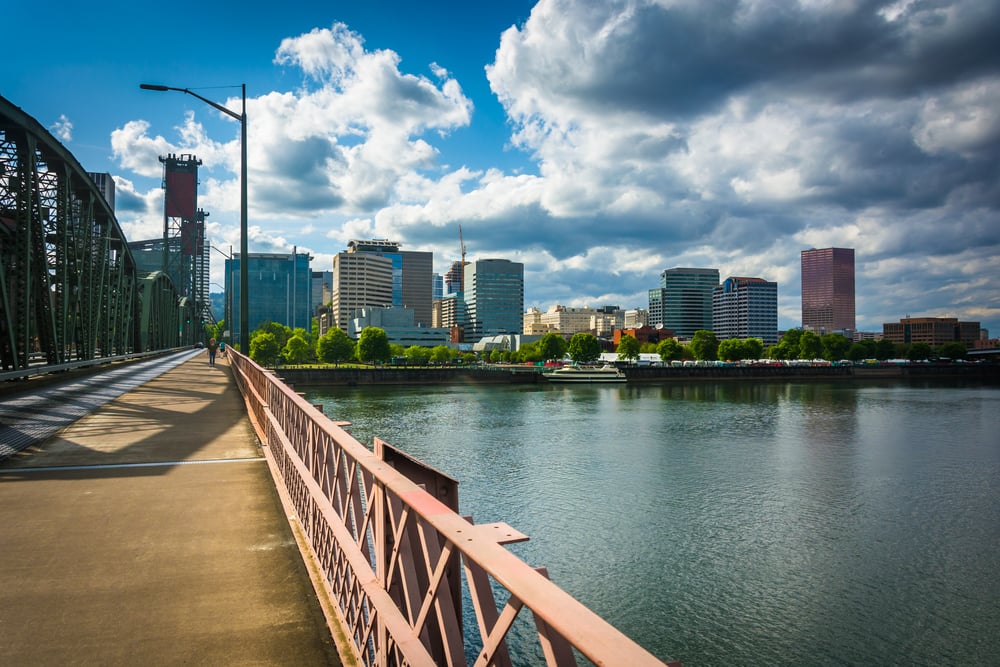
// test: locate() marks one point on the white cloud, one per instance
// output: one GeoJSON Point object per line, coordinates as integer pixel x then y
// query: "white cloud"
{"type": "Point", "coordinates": [63, 129]}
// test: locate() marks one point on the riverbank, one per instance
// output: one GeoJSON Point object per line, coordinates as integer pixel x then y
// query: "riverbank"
{"type": "Point", "coordinates": [351, 377]}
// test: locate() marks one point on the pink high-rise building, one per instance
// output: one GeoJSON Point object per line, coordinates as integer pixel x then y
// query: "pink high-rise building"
{"type": "Point", "coordinates": [828, 290]}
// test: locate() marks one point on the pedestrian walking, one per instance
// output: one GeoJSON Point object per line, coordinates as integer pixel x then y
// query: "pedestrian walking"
{"type": "Point", "coordinates": [222, 348]}
{"type": "Point", "coordinates": [213, 347]}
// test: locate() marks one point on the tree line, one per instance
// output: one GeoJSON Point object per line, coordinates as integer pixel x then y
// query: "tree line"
{"type": "Point", "coordinates": [273, 342]}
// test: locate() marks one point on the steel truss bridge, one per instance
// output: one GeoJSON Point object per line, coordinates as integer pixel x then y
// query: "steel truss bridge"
{"type": "Point", "coordinates": [69, 287]}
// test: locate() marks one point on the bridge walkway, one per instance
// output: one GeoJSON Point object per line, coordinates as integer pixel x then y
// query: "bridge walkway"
{"type": "Point", "coordinates": [150, 532]}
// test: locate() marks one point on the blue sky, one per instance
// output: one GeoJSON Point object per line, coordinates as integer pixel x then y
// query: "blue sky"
{"type": "Point", "coordinates": [597, 142]}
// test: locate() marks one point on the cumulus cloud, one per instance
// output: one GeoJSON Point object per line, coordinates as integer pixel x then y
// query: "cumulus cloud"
{"type": "Point", "coordinates": [63, 129]}
{"type": "Point", "coordinates": [661, 133]}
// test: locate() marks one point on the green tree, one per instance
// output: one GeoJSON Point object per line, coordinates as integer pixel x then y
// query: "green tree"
{"type": "Point", "coordinates": [648, 347]}
{"type": "Point", "coordinates": [264, 348]}
{"type": "Point", "coordinates": [440, 354]}
{"type": "Point", "coordinates": [496, 356]}
{"type": "Point", "coordinates": [884, 349]}
{"type": "Point", "coordinates": [810, 346]}
{"type": "Point", "coordinates": [552, 346]}
{"type": "Point", "coordinates": [584, 348]}
{"type": "Point", "coordinates": [417, 355]}
{"type": "Point", "coordinates": [754, 348]}
{"type": "Point", "coordinates": [373, 345]}
{"type": "Point", "coordinates": [297, 350]}
{"type": "Point", "coordinates": [530, 352]}
{"type": "Point", "coordinates": [858, 352]}
{"type": "Point", "coordinates": [469, 358]}
{"type": "Point", "coordinates": [705, 345]}
{"type": "Point", "coordinates": [787, 347]}
{"type": "Point", "coordinates": [919, 352]}
{"type": "Point", "coordinates": [953, 350]}
{"type": "Point", "coordinates": [335, 346]}
{"type": "Point", "coordinates": [280, 331]}
{"type": "Point", "coordinates": [835, 346]}
{"type": "Point", "coordinates": [670, 350]}
{"type": "Point", "coordinates": [628, 348]}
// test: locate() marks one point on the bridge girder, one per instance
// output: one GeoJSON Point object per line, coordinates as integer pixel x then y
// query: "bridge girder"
{"type": "Point", "coordinates": [68, 282]}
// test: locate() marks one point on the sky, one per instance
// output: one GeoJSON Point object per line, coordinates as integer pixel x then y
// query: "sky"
{"type": "Point", "coordinates": [598, 142]}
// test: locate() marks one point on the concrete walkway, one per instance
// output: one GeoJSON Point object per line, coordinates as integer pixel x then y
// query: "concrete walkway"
{"type": "Point", "coordinates": [149, 532]}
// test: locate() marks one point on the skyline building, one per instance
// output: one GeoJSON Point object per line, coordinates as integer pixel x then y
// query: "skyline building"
{"type": "Point", "coordinates": [683, 302]}
{"type": "Point", "coordinates": [281, 289]}
{"type": "Point", "coordinates": [935, 331]}
{"type": "Point", "coordinates": [412, 271]}
{"type": "Point", "coordinates": [828, 290]}
{"type": "Point", "coordinates": [746, 308]}
{"type": "Point", "coordinates": [359, 280]}
{"type": "Point", "coordinates": [494, 298]}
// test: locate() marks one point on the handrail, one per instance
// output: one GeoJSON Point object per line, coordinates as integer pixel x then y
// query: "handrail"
{"type": "Point", "coordinates": [386, 547]}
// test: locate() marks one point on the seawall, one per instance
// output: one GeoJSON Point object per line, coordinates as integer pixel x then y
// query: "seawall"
{"type": "Point", "coordinates": [351, 377]}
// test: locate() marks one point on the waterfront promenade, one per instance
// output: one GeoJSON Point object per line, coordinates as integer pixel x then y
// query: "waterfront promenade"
{"type": "Point", "coordinates": [149, 532]}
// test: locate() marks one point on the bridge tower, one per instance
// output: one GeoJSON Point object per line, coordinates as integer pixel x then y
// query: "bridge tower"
{"type": "Point", "coordinates": [185, 256]}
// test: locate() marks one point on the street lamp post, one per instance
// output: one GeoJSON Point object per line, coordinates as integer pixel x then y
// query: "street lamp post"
{"type": "Point", "coordinates": [244, 275]}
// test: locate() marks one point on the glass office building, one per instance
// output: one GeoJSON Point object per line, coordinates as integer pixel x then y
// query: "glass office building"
{"type": "Point", "coordinates": [686, 300]}
{"type": "Point", "coordinates": [494, 298]}
{"type": "Point", "coordinates": [280, 290]}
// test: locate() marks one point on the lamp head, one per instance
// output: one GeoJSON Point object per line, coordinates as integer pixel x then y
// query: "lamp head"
{"type": "Point", "coordinates": [152, 86]}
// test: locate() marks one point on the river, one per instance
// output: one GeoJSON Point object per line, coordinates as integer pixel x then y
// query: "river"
{"type": "Point", "coordinates": [734, 523]}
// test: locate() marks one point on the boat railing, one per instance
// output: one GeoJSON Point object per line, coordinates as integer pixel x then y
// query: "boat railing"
{"type": "Point", "coordinates": [394, 557]}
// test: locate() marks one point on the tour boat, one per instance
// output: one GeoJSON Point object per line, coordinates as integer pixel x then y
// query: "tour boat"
{"type": "Point", "coordinates": [579, 374]}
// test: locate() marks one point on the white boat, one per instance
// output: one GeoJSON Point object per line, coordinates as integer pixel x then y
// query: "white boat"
{"type": "Point", "coordinates": [583, 375]}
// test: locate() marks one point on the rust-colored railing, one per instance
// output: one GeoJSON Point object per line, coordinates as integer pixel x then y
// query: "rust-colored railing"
{"type": "Point", "coordinates": [392, 554]}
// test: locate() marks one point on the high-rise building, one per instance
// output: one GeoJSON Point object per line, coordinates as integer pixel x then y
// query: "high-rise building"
{"type": "Point", "coordinates": [685, 300]}
{"type": "Point", "coordinates": [412, 286]}
{"type": "Point", "coordinates": [360, 279]}
{"type": "Point", "coordinates": [322, 289]}
{"type": "Point", "coordinates": [106, 185]}
{"type": "Point", "coordinates": [494, 298]}
{"type": "Point", "coordinates": [453, 279]}
{"type": "Point", "coordinates": [280, 287]}
{"type": "Point", "coordinates": [828, 290]}
{"type": "Point", "coordinates": [746, 308]}
{"type": "Point", "coordinates": [657, 304]}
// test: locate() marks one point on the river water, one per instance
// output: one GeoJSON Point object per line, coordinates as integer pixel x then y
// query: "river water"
{"type": "Point", "coordinates": [734, 523]}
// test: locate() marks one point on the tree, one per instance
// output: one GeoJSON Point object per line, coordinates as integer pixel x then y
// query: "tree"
{"type": "Point", "coordinates": [551, 346]}
{"type": "Point", "coordinates": [919, 352]}
{"type": "Point", "coordinates": [373, 345]}
{"type": "Point", "coordinates": [754, 348]}
{"type": "Point", "coordinates": [736, 349]}
{"type": "Point", "coordinates": [264, 348]}
{"type": "Point", "coordinates": [705, 345]}
{"type": "Point", "coordinates": [496, 356]}
{"type": "Point", "coordinates": [584, 348]}
{"type": "Point", "coordinates": [835, 346]}
{"type": "Point", "coordinates": [297, 350]}
{"type": "Point", "coordinates": [417, 355]}
{"type": "Point", "coordinates": [810, 346]}
{"type": "Point", "coordinates": [953, 350]}
{"type": "Point", "coordinates": [628, 348]}
{"type": "Point", "coordinates": [884, 349]}
{"type": "Point", "coordinates": [530, 352]}
{"type": "Point", "coordinates": [857, 352]}
{"type": "Point", "coordinates": [787, 347]}
{"type": "Point", "coordinates": [670, 350]}
{"type": "Point", "coordinates": [335, 346]}
{"type": "Point", "coordinates": [280, 331]}
{"type": "Point", "coordinates": [440, 354]}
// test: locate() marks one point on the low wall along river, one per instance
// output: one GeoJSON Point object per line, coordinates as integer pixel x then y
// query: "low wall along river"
{"type": "Point", "coordinates": [388, 375]}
